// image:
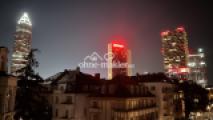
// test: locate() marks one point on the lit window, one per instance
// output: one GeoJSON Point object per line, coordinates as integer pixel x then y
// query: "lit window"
{"type": "Point", "coordinates": [200, 50]}
{"type": "Point", "coordinates": [202, 63]}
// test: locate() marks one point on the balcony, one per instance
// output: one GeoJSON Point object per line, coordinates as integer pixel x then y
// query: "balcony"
{"type": "Point", "coordinates": [141, 109]}
{"type": "Point", "coordinates": [94, 109]}
{"type": "Point", "coordinates": [57, 92]}
{"type": "Point", "coordinates": [64, 117]}
{"type": "Point", "coordinates": [67, 102]}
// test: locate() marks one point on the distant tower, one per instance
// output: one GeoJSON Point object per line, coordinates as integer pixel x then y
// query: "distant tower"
{"type": "Point", "coordinates": [22, 45]}
{"type": "Point", "coordinates": [121, 58]}
{"type": "Point", "coordinates": [3, 59]}
{"type": "Point", "coordinates": [175, 52]}
{"type": "Point", "coordinates": [197, 67]}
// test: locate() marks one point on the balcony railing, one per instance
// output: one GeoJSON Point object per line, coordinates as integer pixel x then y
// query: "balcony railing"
{"type": "Point", "coordinates": [135, 109]}
{"type": "Point", "coordinates": [67, 102]}
{"type": "Point", "coordinates": [94, 109]}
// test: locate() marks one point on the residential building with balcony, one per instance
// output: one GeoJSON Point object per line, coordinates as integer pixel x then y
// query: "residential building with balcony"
{"type": "Point", "coordinates": [78, 96]}
{"type": "Point", "coordinates": [170, 106]}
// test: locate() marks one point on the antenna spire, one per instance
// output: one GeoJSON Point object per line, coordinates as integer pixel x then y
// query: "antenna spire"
{"type": "Point", "coordinates": [25, 19]}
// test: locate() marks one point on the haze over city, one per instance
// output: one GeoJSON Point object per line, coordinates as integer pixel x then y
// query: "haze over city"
{"type": "Point", "coordinates": [67, 31]}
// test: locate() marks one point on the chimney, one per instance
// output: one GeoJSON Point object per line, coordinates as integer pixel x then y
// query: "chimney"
{"type": "Point", "coordinates": [3, 59]}
{"type": "Point", "coordinates": [78, 69]}
{"type": "Point", "coordinates": [97, 76]}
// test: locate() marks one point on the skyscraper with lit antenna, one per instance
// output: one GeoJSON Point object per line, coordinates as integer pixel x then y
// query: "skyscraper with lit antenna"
{"type": "Point", "coordinates": [22, 43]}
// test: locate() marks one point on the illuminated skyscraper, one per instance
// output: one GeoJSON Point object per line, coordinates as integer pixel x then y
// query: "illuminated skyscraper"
{"type": "Point", "coordinates": [119, 59]}
{"type": "Point", "coordinates": [175, 52]}
{"type": "Point", "coordinates": [22, 45]}
{"type": "Point", "coordinates": [197, 67]}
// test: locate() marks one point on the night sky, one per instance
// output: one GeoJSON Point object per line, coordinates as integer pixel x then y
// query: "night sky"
{"type": "Point", "coordinates": [66, 31]}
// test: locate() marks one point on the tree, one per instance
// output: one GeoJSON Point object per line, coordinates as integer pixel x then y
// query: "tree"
{"type": "Point", "coordinates": [195, 97]}
{"type": "Point", "coordinates": [30, 104]}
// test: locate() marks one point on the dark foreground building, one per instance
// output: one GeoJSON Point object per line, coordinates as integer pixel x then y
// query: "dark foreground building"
{"type": "Point", "coordinates": [78, 96]}
{"type": "Point", "coordinates": [7, 88]}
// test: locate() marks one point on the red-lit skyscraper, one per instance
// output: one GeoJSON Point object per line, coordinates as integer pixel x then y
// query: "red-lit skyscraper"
{"type": "Point", "coordinates": [119, 59]}
{"type": "Point", "coordinates": [175, 52]}
{"type": "Point", "coordinates": [22, 45]}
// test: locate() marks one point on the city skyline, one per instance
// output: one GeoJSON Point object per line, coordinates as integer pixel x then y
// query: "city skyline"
{"type": "Point", "coordinates": [78, 36]}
